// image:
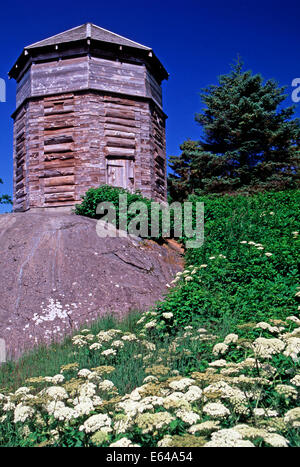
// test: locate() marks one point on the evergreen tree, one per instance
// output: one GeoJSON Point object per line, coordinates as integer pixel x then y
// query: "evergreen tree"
{"type": "Point", "coordinates": [5, 199]}
{"type": "Point", "coordinates": [250, 142]}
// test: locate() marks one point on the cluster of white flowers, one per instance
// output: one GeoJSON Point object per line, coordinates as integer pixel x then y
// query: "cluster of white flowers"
{"type": "Point", "coordinates": [109, 352]}
{"type": "Point", "coordinates": [106, 385]}
{"type": "Point", "coordinates": [258, 246]}
{"type": "Point", "coordinates": [181, 384]}
{"type": "Point", "coordinates": [225, 388]}
{"type": "Point", "coordinates": [188, 416]}
{"type": "Point", "coordinates": [287, 391]}
{"type": "Point", "coordinates": [60, 411]}
{"type": "Point", "coordinates": [124, 443]}
{"type": "Point", "coordinates": [231, 339]}
{"type": "Point", "coordinates": [129, 337]}
{"type": "Point", "coordinates": [216, 410]}
{"type": "Point", "coordinates": [153, 422]}
{"type": "Point", "coordinates": [293, 417]}
{"type": "Point", "coordinates": [56, 393]}
{"type": "Point", "coordinates": [220, 349]}
{"type": "Point", "coordinates": [167, 315]}
{"type": "Point", "coordinates": [22, 413]}
{"type": "Point", "coordinates": [260, 412]}
{"type": "Point", "coordinates": [151, 324]}
{"type": "Point", "coordinates": [268, 327]}
{"type": "Point", "coordinates": [96, 423]}
{"type": "Point", "coordinates": [266, 348]}
{"type": "Point", "coordinates": [228, 438]}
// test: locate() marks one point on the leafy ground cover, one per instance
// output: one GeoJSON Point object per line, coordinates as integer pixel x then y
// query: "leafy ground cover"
{"type": "Point", "coordinates": [215, 364]}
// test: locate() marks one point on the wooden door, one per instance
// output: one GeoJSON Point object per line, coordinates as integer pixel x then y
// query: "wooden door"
{"type": "Point", "coordinates": [120, 173]}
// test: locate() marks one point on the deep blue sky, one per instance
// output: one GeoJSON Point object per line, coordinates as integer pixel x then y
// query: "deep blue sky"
{"type": "Point", "coordinates": [195, 40]}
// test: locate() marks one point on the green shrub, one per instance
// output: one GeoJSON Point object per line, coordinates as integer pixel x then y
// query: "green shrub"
{"type": "Point", "coordinates": [106, 193]}
{"type": "Point", "coordinates": [239, 281]}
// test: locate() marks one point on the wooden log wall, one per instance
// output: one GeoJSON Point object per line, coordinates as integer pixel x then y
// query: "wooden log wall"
{"type": "Point", "coordinates": [20, 160]}
{"type": "Point", "coordinates": [63, 145]}
{"type": "Point", "coordinates": [158, 151]}
{"type": "Point", "coordinates": [75, 117]}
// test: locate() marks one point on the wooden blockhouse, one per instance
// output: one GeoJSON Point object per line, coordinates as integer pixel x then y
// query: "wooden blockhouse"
{"type": "Point", "coordinates": [88, 112]}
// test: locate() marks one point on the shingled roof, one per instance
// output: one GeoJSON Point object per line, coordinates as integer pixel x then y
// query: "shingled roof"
{"type": "Point", "coordinates": [87, 31]}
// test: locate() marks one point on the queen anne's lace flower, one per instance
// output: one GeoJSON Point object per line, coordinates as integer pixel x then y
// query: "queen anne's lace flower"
{"type": "Point", "coordinates": [118, 344]}
{"type": "Point", "coordinates": [22, 413]}
{"type": "Point", "coordinates": [204, 427]}
{"type": "Point", "coordinates": [88, 389]}
{"type": "Point", "coordinates": [218, 363]}
{"type": "Point", "coordinates": [148, 422]}
{"type": "Point", "coordinates": [216, 410]}
{"type": "Point", "coordinates": [287, 391]}
{"type": "Point", "coordinates": [84, 373]}
{"type": "Point", "coordinates": [108, 352]}
{"type": "Point", "coordinates": [267, 327]}
{"type": "Point", "coordinates": [266, 348]}
{"type": "Point", "coordinates": [220, 348]}
{"type": "Point", "coordinates": [83, 405]}
{"type": "Point", "coordinates": [182, 384]}
{"type": "Point", "coordinates": [56, 393]}
{"type": "Point", "coordinates": [260, 412]}
{"type": "Point", "coordinates": [293, 417]}
{"type": "Point", "coordinates": [193, 394]}
{"type": "Point", "coordinates": [228, 438]}
{"type": "Point", "coordinates": [188, 416]}
{"type": "Point", "coordinates": [296, 380]}
{"type": "Point", "coordinates": [151, 324]}
{"type": "Point", "coordinates": [124, 443]}
{"type": "Point", "coordinates": [167, 315]}
{"type": "Point", "coordinates": [231, 339]}
{"type": "Point", "coordinates": [293, 348]}
{"type": "Point", "coordinates": [106, 385]}
{"type": "Point", "coordinates": [60, 411]}
{"type": "Point", "coordinates": [96, 346]}
{"type": "Point", "coordinates": [22, 391]}
{"type": "Point", "coordinates": [97, 422]}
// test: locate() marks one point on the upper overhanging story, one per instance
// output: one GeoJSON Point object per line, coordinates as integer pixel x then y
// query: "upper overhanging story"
{"type": "Point", "coordinates": [88, 44]}
{"type": "Point", "coordinates": [88, 112]}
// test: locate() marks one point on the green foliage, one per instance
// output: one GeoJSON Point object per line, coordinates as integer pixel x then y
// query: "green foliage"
{"type": "Point", "coordinates": [148, 213]}
{"type": "Point", "coordinates": [250, 142]}
{"type": "Point", "coordinates": [240, 282]}
{"type": "Point", "coordinates": [5, 199]}
{"type": "Point", "coordinates": [109, 194]}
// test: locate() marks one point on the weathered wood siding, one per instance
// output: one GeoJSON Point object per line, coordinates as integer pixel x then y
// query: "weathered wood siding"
{"type": "Point", "coordinates": [83, 122]}
{"type": "Point", "coordinates": [59, 76]}
{"type": "Point", "coordinates": [120, 77]}
{"type": "Point", "coordinates": [20, 191]}
{"type": "Point", "coordinates": [74, 74]}
{"type": "Point", "coordinates": [153, 89]}
{"type": "Point", "coordinates": [158, 152]}
{"type": "Point", "coordinates": [23, 88]}
{"type": "Point", "coordinates": [65, 144]}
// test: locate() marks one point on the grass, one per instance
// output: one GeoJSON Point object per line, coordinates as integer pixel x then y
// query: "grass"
{"type": "Point", "coordinates": [47, 360]}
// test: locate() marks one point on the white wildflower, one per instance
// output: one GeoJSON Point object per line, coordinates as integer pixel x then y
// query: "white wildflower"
{"type": "Point", "coordinates": [97, 422]}
{"type": "Point", "coordinates": [216, 410]}
{"type": "Point", "coordinates": [22, 413]}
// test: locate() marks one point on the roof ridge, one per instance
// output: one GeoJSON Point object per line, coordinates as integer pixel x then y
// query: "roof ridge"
{"type": "Point", "coordinates": [55, 35]}
{"type": "Point", "coordinates": [85, 31]}
{"type": "Point", "coordinates": [122, 37]}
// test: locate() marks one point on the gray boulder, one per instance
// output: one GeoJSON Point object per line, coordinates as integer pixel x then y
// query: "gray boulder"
{"type": "Point", "coordinates": [56, 275]}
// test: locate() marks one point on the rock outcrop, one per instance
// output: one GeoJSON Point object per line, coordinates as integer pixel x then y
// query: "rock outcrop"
{"type": "Point", "coordinates": [56, 274]}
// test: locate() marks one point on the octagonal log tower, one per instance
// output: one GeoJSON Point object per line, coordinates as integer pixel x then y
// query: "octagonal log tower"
{"type": "Point", "coordinates": [88, 112]}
